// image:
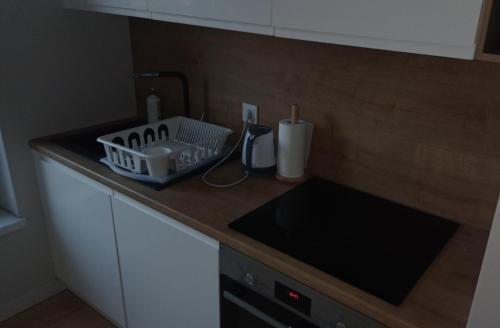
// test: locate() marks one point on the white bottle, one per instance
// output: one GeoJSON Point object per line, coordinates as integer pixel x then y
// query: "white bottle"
{"type": "Point", "coordinates": [153, 107]}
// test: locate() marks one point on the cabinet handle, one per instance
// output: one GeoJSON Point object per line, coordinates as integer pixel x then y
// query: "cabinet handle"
{"type": "Point", "coordinates": [252, 310]}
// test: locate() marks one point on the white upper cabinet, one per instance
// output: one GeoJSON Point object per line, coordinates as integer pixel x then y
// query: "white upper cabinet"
{"type": "Point", "coordinates": [436, 27]}
{"type": "Point", "coordinates": [241, 15]}
{"type": "Point", "coordinates": [433, 27]}
{"type": "Point", "coordinates": [136, 8]}
{"type": "Point", "coordinates": [242, 11]}
{"type": "Point", "coordinates": [126, 4]}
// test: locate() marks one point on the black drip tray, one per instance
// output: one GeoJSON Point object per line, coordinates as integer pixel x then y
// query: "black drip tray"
{"type": "Point", "coordinates": [376, 245]}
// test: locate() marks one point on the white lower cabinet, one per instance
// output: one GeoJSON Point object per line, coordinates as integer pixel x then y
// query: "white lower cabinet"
{"type": "Point", "coordinates": [80, 224]}
{"type": "Point", "coordinates": [169, 271]}
{"type": "Point", "coordinates": [104, 243]}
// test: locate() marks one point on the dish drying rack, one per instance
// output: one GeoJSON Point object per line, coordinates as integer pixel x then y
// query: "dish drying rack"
{"type": "Point", "coordinates": [162, 151]}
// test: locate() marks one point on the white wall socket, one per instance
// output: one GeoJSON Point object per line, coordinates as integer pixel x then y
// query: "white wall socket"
{"type": "Point", "coordinates": [250, 112]}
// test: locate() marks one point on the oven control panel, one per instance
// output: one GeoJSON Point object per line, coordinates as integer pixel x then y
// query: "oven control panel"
{"type": "Point", "coordinates": [292, 298]}
{"type": "Point", "coordinates": [311, 305]}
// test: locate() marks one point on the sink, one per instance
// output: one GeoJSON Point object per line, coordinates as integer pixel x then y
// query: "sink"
{"type": "Point", "coordinates": [84, 141]}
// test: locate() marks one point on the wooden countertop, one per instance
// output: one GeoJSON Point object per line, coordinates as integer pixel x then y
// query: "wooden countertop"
{"type": "Point", "coordinates": [441, 298]}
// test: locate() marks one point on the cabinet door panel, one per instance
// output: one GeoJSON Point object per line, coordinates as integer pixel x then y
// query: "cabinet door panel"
{"type": "Point", "coordinates": [80, 222]}
{"type": "Point", "coordinates": [243, 11]}
{"type": "Point", "coordinates": [126, 4]}
{"type": "Point", "coordinates": [169, 271]}
{"type": "Point", "coordinates": [451, 22]}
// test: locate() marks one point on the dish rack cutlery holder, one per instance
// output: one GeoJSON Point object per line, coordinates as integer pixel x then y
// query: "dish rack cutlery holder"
{"type": "Point", "coordinates": [170, 147]}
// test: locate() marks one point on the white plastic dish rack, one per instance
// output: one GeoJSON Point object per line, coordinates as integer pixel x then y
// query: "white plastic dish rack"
{"type": "Point", "coordinates": [161, 151]}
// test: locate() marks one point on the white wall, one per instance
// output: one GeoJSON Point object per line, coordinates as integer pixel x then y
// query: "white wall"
{"type": "Point", "coordinates": [485, 311]}
{"type": "Point", "coordinates": [59, 70]}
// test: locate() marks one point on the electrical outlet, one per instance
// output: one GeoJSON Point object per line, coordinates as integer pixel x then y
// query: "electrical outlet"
{"type": "Point", "coordinates": [250, 113]}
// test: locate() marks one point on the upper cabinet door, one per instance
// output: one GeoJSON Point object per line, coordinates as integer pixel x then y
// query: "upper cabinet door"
{"type": "Point", "coordinates": [240, 11]}
{"type": "Point", "coordinates": [125, 4]}
{"type": "Point", "coordinates": [440, 27]}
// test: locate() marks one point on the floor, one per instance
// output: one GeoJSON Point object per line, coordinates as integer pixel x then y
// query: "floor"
{"type": "Point", "coordinates": [63, 310]}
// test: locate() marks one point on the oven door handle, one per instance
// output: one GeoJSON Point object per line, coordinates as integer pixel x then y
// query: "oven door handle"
{"type": "Point", "coordinates": [256, 312]}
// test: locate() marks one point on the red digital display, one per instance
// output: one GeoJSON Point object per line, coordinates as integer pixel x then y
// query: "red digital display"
{"type": "Point", "coordinates": [292, 298]}
{"type": "Point", "coordinates": [293, 295]}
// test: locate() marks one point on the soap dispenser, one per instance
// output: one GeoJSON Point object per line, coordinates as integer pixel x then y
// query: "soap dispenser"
{"type": "Point", "coordinates": [153, 106]}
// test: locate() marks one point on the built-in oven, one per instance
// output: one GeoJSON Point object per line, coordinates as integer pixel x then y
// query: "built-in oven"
{"type": "Point", "coordinates": [254, 295]}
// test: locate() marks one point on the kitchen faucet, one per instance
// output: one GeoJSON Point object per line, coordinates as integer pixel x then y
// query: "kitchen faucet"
{"type": "Point", "coordinates": [171, 74]}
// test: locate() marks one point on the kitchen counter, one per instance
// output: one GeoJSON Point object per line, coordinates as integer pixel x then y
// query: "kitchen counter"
{"type": "Point", "coordinates": [441, 298]}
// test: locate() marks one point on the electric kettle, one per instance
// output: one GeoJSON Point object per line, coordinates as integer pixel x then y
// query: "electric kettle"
{"type": "Point", "coordinates": [259, 156]}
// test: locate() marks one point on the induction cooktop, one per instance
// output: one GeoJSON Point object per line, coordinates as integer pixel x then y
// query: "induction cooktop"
{"type": "Point", "coordinates": [371, 243]}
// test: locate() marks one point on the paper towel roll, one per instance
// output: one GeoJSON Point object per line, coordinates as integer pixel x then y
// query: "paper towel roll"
{"type": "Point", "coordinates": [292, 148]}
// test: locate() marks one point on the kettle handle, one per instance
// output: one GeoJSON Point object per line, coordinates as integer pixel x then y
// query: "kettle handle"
{"type": "Point", "coordinates": [249, 152]}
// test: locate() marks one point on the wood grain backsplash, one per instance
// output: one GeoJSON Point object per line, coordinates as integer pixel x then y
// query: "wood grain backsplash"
{"type": "Point", "coordinates": [420, 130]}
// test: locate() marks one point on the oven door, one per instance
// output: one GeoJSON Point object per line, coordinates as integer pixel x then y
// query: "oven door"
{"type": "Point", "coordinates": [241, 307]}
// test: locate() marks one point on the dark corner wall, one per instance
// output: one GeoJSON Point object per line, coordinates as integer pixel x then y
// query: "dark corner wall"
{"type": "Point", "coordinates": [420, 130]}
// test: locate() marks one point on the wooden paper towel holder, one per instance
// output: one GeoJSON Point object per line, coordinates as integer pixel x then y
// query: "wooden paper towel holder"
{"type": "Point", "coordinates": [294, 119]}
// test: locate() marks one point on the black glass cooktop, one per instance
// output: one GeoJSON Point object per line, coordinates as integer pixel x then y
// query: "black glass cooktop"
{"type": "Point", "coordinates": [373, 244]}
